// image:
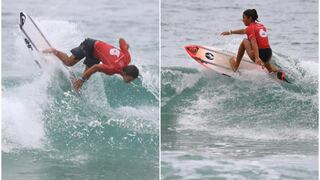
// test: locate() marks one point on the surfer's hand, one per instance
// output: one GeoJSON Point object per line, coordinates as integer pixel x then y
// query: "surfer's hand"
{"type": "Point", "coordinates": [77, 84]}
{"type": "Point", "coordinates": [259, 61]}
{"type": "Point", "coordinates": [225, 33]}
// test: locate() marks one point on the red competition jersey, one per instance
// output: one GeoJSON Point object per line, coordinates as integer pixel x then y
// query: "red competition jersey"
{"type": "Point", "coordinates": [113, 59]}
{"type": "Point", "coordinates": [259, 32]}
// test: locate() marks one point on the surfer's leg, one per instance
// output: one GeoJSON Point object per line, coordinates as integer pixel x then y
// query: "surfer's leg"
{"type": "Point", "coordinates": [279, 73]}
{"type": "Point", "coordinates": [247, 46]}
{"type": "Point", "coordinates": [67, 60]}
{"type": "Point", "coordinates": [244, 46]}
{"type": "Point", "coordinates": [266, 57]}
{"type": "Point", "coordinates": [270, 67]}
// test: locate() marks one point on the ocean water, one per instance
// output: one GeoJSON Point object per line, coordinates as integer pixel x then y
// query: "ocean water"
{"type": "Point", "coordinates": [216, 127]}
{"type": "Point", "coordinates": [111, 130]}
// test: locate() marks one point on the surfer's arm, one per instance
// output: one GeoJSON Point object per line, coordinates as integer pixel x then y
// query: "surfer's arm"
{"type": "Point", "coordinates": [85, 76]}
{"type": "Point", "coordinates": [238, 31]}
{"type": "Point", "coordinates": [123, 44]}
{"type": "Point", "coordinates": [93, 69]}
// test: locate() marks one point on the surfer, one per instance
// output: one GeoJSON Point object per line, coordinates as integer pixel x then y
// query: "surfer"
{"type": "Point", "coordinates": [256, 45]}
{"type": "Point", "coordinates": [99, 57]}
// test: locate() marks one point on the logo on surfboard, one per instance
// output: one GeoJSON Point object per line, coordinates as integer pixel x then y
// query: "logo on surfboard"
{"type": "Point", "coordinates": [209, 56]}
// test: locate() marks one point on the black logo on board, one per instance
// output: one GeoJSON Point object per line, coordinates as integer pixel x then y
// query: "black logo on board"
{"type": "Point", "coordinates": [209, 56]}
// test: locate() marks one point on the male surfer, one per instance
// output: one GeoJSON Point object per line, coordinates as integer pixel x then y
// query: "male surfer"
{"type": "Point", "coordinates": [99, 57]}
{"type": "Point", "coordinates": [257, 45]}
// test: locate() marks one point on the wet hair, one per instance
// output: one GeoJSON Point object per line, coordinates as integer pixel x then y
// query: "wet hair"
{"type": "Point", "coordinates": [251, 13]}
{"type": "Point", "coordinates": [132, 71]}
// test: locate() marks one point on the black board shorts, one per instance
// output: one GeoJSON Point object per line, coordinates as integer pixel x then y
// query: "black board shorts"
{"type": "Point", "coordinates": [85, 49]}
{"type": "Point", "coordinates": [265, 54]}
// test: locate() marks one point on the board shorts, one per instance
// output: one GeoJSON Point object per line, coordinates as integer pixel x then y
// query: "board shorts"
{"type": "Point", "coordinates": [265, 54]}
{"type": "Point", "coordinates": [86, 49]}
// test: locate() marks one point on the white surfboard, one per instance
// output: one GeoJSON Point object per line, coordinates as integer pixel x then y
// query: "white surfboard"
{"type": "Point", "coordinates": [218, 60]}
{"type": "Point", "coordinates": [36, 41]}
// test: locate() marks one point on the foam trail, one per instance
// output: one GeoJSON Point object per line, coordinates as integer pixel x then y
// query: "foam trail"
{"type": "Point", "coordinates": [22, 125]}
{"type": "Point", "coordinates": [24, 103]}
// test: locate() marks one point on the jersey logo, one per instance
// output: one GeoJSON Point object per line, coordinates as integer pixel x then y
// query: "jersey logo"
{"type": "Point", "coordinates": [262, 33]}
{"type": "Point", "coordinates": [115, 52]}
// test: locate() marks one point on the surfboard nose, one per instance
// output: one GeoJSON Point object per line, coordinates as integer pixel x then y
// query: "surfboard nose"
{"type": "Point", "coordinates": [192, 50]}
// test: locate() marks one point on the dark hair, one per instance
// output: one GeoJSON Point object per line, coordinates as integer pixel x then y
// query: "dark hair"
{"type": "Point", "coordinates": [131, 70]}
{"type": "Point", "coordinates": [251, 13]}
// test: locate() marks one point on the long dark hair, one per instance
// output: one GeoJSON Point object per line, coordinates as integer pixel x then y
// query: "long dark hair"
{"type": "Point", "coordinates": [251, 13]}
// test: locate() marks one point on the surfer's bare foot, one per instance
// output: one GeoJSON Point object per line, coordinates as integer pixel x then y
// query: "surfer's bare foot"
{"type": "Point", "coordinates": [50, 50]}
{"type": "Point", "coordinates": [232, 63]}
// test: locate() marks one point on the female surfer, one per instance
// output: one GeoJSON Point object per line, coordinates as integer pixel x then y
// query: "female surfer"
{"type": "Point", "coordinates": [256, 45]}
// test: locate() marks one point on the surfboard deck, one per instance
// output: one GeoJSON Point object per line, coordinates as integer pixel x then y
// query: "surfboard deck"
{"type": "Point", "coordinates": [36, 41]}
{"type": "Point", "coordinates": [218, 60]}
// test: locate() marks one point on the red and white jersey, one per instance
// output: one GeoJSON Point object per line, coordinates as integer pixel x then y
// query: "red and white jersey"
{"type": "Point", "coordinates": [259, 32]}
{"type": "Point", "coordinates": [113, 59]}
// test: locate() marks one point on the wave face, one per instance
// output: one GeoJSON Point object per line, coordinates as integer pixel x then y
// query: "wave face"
{"type": "Point", "coordinates": [212, 124]}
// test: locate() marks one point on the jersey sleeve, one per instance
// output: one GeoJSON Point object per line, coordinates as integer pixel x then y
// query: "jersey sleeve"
{"type": "Point", "coordinates": [123, 45]}
{"type": "Point", "coordinates": [250, 32]}
{"type": "Point", "coordinates": [124, 49]}
{"type": "Point", "coordinates": [126, 58]}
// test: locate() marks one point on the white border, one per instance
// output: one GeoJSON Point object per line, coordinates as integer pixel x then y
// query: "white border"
{"type": "Point", "coordinates": [159, 20]}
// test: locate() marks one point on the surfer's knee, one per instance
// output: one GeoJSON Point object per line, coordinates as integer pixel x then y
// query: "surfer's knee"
{"type": "Point", "coordinates": [242, 44]}
{"type": "Point", "coordinates": [245, 42]}
{"type": "Point", "coordinates": [247, 46]}
{"type": "Point", "coordinates": [67, 63]}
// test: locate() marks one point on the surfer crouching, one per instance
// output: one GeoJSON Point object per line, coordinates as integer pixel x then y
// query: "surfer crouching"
{"type": "Point", "coordinates": [99, 57]}
{"type": "Point", "coordinates": [256, 45]}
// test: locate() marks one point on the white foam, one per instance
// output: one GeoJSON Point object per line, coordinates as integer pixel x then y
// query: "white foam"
{"type": "Point", "coordinates": [150, 79]}
{"type": "Point", "coordinates": [198, 116]}
{"type": "Point", "coordinates": [268, 134]}
{"type": "Point", "coordinates": [192, 165]}
{"type": "Point", "coordinates": [311, 68]}
{"type": "Point", "coordinates": [146, 118]}
{"type": "Point", "coordinates": [181, 80]}
{"type": "Point", "coordinates": [24, 104]}
{"type": "Point", "coordinates": [22, 125]}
